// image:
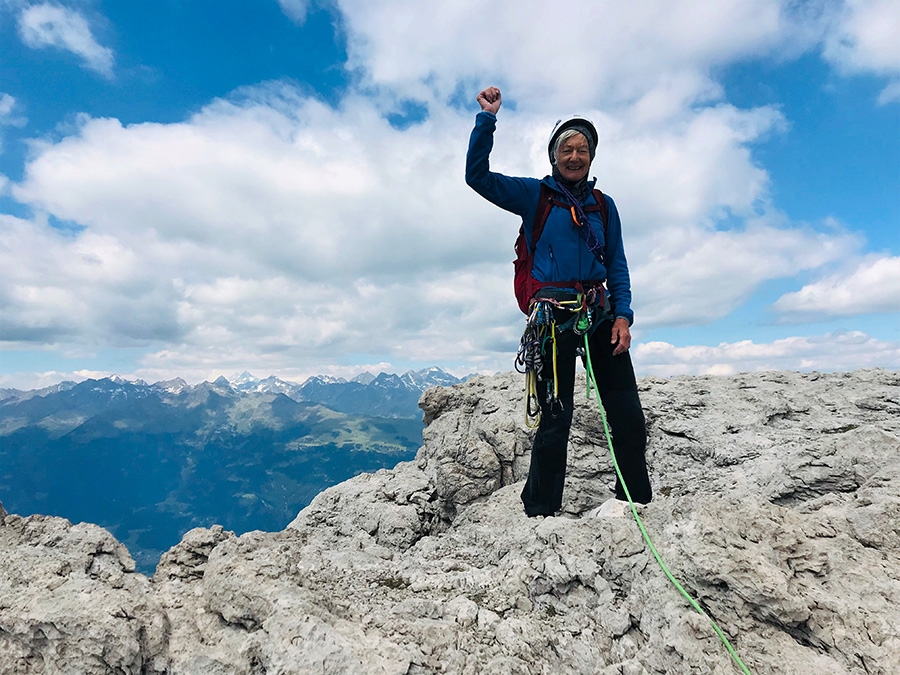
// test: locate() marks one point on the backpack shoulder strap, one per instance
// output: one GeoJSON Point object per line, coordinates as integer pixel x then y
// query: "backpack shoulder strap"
{"type": "Point", "coordinates": [545, 203]}
{"type": "Point", "coordinates": [604, 213]}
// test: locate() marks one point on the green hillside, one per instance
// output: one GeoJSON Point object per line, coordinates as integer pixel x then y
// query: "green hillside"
{"type": "Point", "coordinates": [149, 464]}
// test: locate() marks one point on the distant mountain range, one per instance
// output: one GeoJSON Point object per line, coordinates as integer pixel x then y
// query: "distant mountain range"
{"type": "Point", "coordinates": [382, 395]}
{"type": "Point", "coordinates": [150, 461]}
{"type": "Point", "coordinates": [385, 394]}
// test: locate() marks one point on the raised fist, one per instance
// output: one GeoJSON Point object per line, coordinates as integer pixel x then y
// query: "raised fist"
{"type": "Point", "coordinates": [490, 100]}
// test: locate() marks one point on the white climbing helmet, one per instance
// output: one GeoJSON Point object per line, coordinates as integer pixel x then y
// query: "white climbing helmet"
{"type": "Point", "coordinates": [577, 121]}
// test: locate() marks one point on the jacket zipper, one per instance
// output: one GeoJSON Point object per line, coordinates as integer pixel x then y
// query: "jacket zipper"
{"type": "Point", "coordinates": [553, 266]}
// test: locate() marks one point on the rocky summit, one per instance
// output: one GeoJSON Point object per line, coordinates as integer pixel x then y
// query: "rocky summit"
{"type": "Point", "coordinates": [777, 507]}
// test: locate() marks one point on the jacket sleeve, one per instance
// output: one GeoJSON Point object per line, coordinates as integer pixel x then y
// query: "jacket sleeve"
{"type": "Point", "coordinates": [517, 195]}
{"type": "Point", "coordinates": [618, 280]}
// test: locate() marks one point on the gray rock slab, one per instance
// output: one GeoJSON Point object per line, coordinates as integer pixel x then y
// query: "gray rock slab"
{"type": "Point", "coordinates": [777, 503]}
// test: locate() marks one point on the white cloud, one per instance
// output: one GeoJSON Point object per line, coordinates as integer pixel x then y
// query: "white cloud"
{"type": "Point", "coordinates": [8, 118]}
{"type": "Point", "coordinates": [51, 25]}
{"type": "Point", "coordinates": [865, 38]}
{"type": "Point", "coordinates": [88, 288]}
{"type": "Point", "coordinates": [874, 286]}
{"type": "Point", "coordinates": [265, 230]}
{"type": "Point", "coordinates": [694, 275]}
{"type": "Point", "coordinates": [287, 185]}
{"type": "Point", "coordinates": [273, 231]}
{"type": "Point", "coordinates": [829, 353]}
{"type": "Point", "coordinates": [29, 381]}
{"type": "Point", "coordinates": [890, 93]}
{"type": "Point", "coordinates": [295, 9]}
{"type": "Point", "coordinates": [7, 103]}
{"type": "Point", "coordinates": [696, 165]}
{"type": "Point", "coordinates": [570, 53]}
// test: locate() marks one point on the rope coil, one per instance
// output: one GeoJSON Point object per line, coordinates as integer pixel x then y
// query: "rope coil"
{"type": "Point", "coordinates": [530, 359]}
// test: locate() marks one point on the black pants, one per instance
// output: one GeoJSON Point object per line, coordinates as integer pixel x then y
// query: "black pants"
{"type": "Point", "coordinates": [614, 375]}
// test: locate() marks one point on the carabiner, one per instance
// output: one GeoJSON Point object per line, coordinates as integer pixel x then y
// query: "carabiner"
{"type": "Point", "coordinates": [575, 220]}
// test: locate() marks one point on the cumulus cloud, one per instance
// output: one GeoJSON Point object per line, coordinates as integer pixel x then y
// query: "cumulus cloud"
{"type": "Point", "coordinates": [7, 103]}
{"type": "Point", "coordinates": [295, 9]}
{"type": "Point", "coordinates": [696, 275]}
{"type": "Point", "coordinates": [865, 38]}
{"type": "Point", "coordinates": [831, 352]}
{"type": "Point", "coordinates": [890, 93]}
{"type": "Point", "coordinates": [696, 166]}
{"type": "Point", "coordinates": [50, 25]}
{"type": "Point", "coordinates": [659, 52]}
{"type": "Point", "coordinates": [285, 184]}
{"type": "Point", "coordinates": [568, 52]}
{"type": "Point", "coordinates": [873, 286]}
{"type": "Point", "coordinates": [59, 288]}
{"type": "Point", "coordinates": [9, 117]}
{"type": "Point", "coordinates": [274, 229]}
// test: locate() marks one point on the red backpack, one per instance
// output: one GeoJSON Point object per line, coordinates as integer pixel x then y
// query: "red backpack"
{"type": "Point", "coordinates": [525, 284]}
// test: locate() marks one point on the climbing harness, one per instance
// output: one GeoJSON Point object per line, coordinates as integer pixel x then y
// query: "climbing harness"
{"type": "Point", "coordinates": [540, 334]}
{"type": "Point", "coordinates": [592, 384]}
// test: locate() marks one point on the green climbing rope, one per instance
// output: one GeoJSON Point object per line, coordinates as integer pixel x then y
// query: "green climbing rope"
{"type": "Point", "coordinates": [592, 384]}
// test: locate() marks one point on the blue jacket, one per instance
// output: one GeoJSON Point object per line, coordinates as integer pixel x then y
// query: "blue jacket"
{"type": "Point", "coordinates": [561, 253]}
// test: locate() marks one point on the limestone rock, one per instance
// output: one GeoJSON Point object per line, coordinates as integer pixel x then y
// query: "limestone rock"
{"type": "Point", "coordinates": [70, 602]}
{"type": "Point", "coordinates": [777, 503]}
{"type": "Point", "coordinates": [187, 560]}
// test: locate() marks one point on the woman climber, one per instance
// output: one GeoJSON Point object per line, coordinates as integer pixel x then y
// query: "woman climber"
{"type": "Point", "coordinates": [572, 246]}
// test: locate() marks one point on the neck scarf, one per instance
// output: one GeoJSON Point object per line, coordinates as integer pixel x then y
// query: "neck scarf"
{"type": "Point", "coordinates": [579, 189]}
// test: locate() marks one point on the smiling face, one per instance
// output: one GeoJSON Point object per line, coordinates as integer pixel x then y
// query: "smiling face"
{"type": "Point", "coordinates": [573, 158]}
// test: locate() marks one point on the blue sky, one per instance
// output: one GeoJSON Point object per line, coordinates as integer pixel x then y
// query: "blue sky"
{"type": "Point", "coordinates": [200, 188]}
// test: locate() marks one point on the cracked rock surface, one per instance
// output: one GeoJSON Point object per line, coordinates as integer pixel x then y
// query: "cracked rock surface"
{"type": "Point", "coordinates": [777, 506]}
